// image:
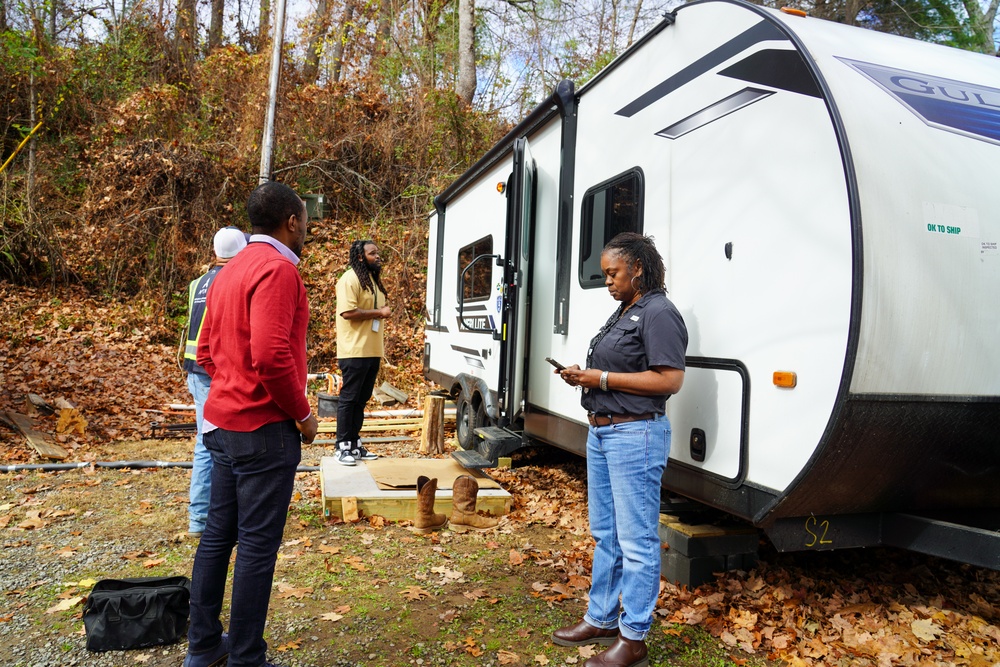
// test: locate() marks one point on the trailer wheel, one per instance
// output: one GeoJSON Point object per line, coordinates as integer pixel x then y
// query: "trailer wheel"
{"type": "Point", "coordinates": [469, 417]}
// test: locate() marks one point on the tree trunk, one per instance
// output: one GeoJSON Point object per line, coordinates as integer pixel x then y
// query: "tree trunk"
{"type": "Point", "coordinates": [3, 15]}
{"type": "Point", "coordinates": [215, 26]}
{"type": "Point", "coordinates": [635, 21]}
{"type": "Point", "coordinates": [186, 31]}
{"type": "Point", "coordinates": [264, 26]}
{"type": "Point", "coordinates": [385, 13]}
{"type": "Point", "coordinates": [981, 22]}
{"type": "Point", "coordinates": [53, 11]}
{"type": "Point", "coordinates": [338, 46]}
{"type": "Point", "coordinates": [32, 119]}
{"type": "Point", "coordinates": [466, 87]}
{"type": "Point", "coordinates": [321, 25]}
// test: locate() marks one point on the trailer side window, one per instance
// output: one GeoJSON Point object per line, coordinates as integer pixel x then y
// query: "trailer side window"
{"type": "Point", "coordinates": [476, 282]}
{"type": "Point", "coordinates": [610, 208]}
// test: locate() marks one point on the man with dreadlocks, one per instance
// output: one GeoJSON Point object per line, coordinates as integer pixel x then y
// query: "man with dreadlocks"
{"type": "Point", "coordinates": [361, 309]}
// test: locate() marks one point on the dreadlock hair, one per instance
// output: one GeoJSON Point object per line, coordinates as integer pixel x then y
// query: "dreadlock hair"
{"type": "Point", "coordinates": [360, 266]}
{"type": "Point", "coordinates": [638, 249]}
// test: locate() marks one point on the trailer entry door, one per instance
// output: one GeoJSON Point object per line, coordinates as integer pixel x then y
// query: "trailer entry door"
{"type": "Point", "coordinates": [517, 279]}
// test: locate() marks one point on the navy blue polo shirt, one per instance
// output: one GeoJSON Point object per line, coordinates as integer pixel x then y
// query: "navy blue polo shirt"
{"type": "Point", "coordinates": [650, 333]}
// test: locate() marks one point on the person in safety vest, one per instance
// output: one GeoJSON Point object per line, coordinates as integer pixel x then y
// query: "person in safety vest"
{"type": "Point", "coordinates": [228, 241]}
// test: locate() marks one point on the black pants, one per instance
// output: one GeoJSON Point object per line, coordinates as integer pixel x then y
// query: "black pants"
{"type": "Point", "coordinates": [359, 381]}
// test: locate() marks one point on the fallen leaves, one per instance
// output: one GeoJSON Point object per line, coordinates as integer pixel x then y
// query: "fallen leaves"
{"type": "Point", "coordinates": [65, 604]}
{"type": "Point", "coordinates": [286, 591]}
{"type": "Point", "coordinates": [414, 593]}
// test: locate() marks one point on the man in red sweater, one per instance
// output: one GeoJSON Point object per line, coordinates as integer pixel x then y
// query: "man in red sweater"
{"type": "Point", "coordinates": [253, 345]}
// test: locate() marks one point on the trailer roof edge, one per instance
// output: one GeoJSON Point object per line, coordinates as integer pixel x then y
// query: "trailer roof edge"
{"type": "Point", "coordinates": [558, 102]}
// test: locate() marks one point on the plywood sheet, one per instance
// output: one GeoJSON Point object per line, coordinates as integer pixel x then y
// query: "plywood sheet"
{"type": "Point", "coordinates": [356, 486]}
{"type": "Point", "coordinates": [403, 473]}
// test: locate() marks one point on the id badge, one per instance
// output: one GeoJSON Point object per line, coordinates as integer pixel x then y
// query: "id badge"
{"type": "Point", "coordinates": [375, 325]}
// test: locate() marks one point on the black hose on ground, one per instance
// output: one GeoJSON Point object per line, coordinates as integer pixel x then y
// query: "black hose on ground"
{"type": "Point", "coordinates": [18, 467]}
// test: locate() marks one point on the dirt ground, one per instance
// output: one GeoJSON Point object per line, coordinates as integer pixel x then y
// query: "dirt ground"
{"type": "Point", "coordinates": [370, 593]}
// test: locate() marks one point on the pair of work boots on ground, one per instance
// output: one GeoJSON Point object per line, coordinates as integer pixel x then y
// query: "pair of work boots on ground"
{"type": "Point", "coordinates": [349, 453]}
{"type": "Point", "coordinates": [463, 507]}
{"type": "Point", "coordinates": [621, 652]}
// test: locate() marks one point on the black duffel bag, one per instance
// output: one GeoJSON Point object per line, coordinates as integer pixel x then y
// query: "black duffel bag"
{"type": "Point", "coordinates": [124, 614]}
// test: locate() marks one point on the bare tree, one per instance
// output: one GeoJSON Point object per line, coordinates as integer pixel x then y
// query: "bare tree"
{"type": "Point", "coordinates": [320, 27]}
{"type": "Point", "coordinates": [186, 31]}
{"type": "Point", "coordinates": [386, 12]}
{"type": "Point", "coordinates": [982, 21]}
{"type": "Point", "coordinates": [264, 26]}
{"type": "Point", "coordinates": [215, 24]}
{"type": "Point", "coordinates": [342, 36]}
{"type": "Point", "coordinates": [466, 86]}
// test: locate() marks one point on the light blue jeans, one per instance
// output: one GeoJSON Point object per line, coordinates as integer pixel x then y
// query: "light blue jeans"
{"type": "Point", "coordinates": [624, 465]}
{"type": "Point", "coordinates": [201, 473]}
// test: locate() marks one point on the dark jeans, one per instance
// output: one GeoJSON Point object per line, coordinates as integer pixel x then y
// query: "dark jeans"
{"type": "Point", "coordinates": [359, 381]}
{"type": "Point", "coordinates": [252, 477]}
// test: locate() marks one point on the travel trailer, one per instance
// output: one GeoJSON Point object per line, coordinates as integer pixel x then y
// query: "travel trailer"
{"type": "Point", "coordinates": [825, 199]}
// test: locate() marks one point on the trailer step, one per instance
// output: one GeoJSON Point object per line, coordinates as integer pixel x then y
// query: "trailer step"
{"type": "Point", "coordinates": [470, 458]}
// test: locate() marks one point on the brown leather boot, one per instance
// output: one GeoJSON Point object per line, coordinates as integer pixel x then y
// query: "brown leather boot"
{"type": "Point", "coordinates": [584, 633]}
{"type": "Point", "coordinates": [426, 520]}
{"type": "Point", "coordinates": [463, 508]}
{"type": "Point", "coordinates": [623, 653]}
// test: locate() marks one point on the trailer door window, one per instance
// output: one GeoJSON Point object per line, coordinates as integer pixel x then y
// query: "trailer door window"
{"type": "Point", "coordinates": [476, 284]}
{"type": "Point", "coordinates": [610, 208]}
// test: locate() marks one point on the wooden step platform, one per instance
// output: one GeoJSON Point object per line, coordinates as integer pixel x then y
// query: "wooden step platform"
{"type": "Point", "coordinates": [348, 487]}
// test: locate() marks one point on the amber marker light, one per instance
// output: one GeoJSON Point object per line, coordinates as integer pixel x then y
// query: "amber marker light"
{"type": "Point", "coordinates": [786, 379]}
{"type": "Point", "coordinates": [793, 12]}
{"type": "Point", "coordinates": [501, 186]}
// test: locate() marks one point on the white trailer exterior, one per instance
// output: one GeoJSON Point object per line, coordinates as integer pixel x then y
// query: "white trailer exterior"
{"type": "Point", "coordinates": [826, 203]}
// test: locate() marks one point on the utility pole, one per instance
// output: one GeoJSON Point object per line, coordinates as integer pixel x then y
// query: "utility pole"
{"type": "Point", "coordinates": [267, 143]}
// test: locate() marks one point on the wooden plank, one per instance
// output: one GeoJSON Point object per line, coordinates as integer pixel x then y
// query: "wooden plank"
{"type": "Point", "coordinates": [373, 428]}
{"type": "Point", "coordinates": [339, 482]}
{"type": "Point", "coordinates": [37, 439]}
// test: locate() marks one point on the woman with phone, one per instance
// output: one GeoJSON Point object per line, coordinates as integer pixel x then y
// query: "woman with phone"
{"type": "Point", "coordinates": [634, 364]}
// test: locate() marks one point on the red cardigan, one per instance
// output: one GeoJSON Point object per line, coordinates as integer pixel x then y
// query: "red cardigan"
{"type": "Point", "coordinates": [253, 341]}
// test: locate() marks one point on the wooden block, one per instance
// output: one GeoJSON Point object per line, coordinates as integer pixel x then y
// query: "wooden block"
{"type": "Point", "coordinates": [349, 509]}
{"type": "Point", "coordinates": [388, 389]}
{"type": "Point", "coordinates": [432, 436]}
{"type": "Point", "coordinates": [37, 439]}
{"type": "Point", "coordinates": [36, 402]}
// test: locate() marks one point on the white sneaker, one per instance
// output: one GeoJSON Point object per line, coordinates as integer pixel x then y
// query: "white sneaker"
{"type": "Point", "coordinates": [361, 454]}
{"type": "Point", "coordinates": [344, 457]}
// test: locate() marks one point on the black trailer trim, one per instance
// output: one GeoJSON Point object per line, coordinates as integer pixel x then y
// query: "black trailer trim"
{"type": "Point", "coordinates": [744, 501]}
{"type": "Point", "coordinates": [439, 266]}
{"type": "Point", "coordinates": [556, 430]}
{"type": "Point", "coordinates": [759, 32]}
{"type": "Point", "coordinates": [926, 398]}
{"type": "Point", "coordinates": [934, 536]}
{"type": "Point", "coordinates": [741, 473]}
{"type": "Point", "coordinates": [564, 232]}
{"type": "Point", "coordinates": [946, 539]}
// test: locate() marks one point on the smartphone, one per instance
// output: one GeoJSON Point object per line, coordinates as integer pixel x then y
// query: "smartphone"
{"type": "Point", "coordinates": [555, 363]}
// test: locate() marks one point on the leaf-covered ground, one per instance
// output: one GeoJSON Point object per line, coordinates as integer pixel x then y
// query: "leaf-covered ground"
{"type": "Point", "coordinates": [446, 594]}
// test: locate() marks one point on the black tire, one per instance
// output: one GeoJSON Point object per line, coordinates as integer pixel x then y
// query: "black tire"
{"type": "Point", "coordinates": [468, 418]}
{"type": "Point", "coordinates": [465, 418]}
{"type": "Point", "coordinates": [481, 418]}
